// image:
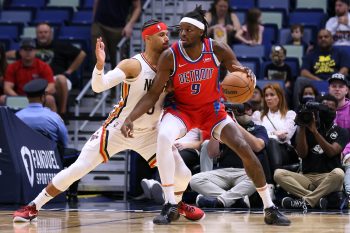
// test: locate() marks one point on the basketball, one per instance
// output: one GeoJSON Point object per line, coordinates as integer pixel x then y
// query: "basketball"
{"type": "Point", "coordinates": [238, 87]}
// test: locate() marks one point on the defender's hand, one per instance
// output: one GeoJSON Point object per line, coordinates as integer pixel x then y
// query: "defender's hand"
{"type": "Point", "coordinates": [127, 128]}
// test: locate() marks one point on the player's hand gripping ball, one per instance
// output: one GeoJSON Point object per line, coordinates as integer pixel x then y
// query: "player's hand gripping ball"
{"type": "Point", "coordinates": [238, 86]}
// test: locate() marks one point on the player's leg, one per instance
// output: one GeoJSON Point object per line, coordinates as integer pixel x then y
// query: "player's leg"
{"type": "Point", "coordinates": [228, 132]}
{"type": "Point", "coordinates": [170, 129]}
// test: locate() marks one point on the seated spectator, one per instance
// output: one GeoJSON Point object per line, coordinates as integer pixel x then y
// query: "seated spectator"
{"type": "Point", "coordinates": [297, 33]}
{"type": "Point", "coordinates": [3, 66]}
{"type": "Point", "coordinates": [319, 145]}
{"type": "Point", "coordinates": [339, 24]}
{"type": "Point", "coordinates": [308, 93]}
{"type": "Point", "coordinates": [251, 32]}
{"type": "Point", "coordinates": [256, 101]}
{"type": "Point", "coordinates": [223, 23]}
{"type": "Point", "coordinates": [321, 63]}
{"type": "Point", "coordinates": [45, 121]}
{"type": "Point", "coordinates": [278, 70]}
{"type": "Point", "coordinates": [26, 69]}
{"type": "Point", "coordinates": [280, 126]}
{"type": "Point", "coordinates": [345, 160]}
{"type": "Point", "coordinates": [229, 183]}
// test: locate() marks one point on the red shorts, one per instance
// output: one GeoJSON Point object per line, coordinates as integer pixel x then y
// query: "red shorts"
{"type": "Point", "coordinates": [205, 118]}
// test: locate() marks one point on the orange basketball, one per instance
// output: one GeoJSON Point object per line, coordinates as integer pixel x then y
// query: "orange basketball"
{"type": "Point", "coordinates": [238, 87]}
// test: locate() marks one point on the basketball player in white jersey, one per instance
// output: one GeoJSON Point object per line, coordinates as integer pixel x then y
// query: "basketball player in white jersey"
{"type": "Point", "coordinates": [137, 75]}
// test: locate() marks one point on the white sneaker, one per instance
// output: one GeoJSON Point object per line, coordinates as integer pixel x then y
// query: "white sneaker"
{"type": "Point", "coordinates": [146, 187]}
{"type": "Point", "coordinates": [157, 193]}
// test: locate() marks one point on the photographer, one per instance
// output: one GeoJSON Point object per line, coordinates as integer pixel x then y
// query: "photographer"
{"type": "Point", "coordinates": [229, 184]}
{"type": "Point", "coordinates": [319, 143]}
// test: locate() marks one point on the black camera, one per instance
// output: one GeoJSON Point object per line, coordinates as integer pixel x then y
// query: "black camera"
{"type": "Point", "coordinates": [237, 109]}
{"type": "Point", "coordinates": [307, 111]}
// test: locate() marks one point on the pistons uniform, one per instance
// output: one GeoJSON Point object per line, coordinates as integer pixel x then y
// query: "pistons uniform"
{"type": "Point", "coordinates": [108, 140]}
{"type": "Point", "coordinates": [193, 80]}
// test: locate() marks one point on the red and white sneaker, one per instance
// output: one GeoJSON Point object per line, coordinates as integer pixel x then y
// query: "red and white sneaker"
{"type": "Point", "coordinates": [25, 214]}
{"type": "Point", "coordinates": [190, 212]}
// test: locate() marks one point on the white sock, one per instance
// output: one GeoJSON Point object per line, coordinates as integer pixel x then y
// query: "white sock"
{"type": "Point", "coordinates": [178, 198]}
{"type": "Point", "coordinates": [265, 196]}
{"type": "Point", "coordinates": [42, 199]}
{"type": "Point", "coordinates": [169, 194]}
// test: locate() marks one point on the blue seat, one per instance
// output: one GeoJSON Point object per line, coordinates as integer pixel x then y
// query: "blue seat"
{"type": "Point", "coordinates": [284, 35]}
{"type": "Point", "coordinates": [239, 4]}
{"type": "Point", "coordinates": [20, 16]}
{"type": "Point", "coordinates": [82, 17]}
{"type": "Point", "coordinates": [87, 4]}
{"type": "Point", "coordinates": [240, 15]}
{"type": "Point", "coordinates": [9, 31]}
{"type": "Point", "coordinates": [263, 83]}
{"type": "Point", "coordinates": [252, 63]}
{"type": "Point", "coordinates": [26, 3]}
{"type": "Point", "coordinates": [245, 51]}
{"type": "Point", "coordinates": [293, 62]}
{"type": "Point", "coordinates": [58, 16]}
{"type": "Point", "coordinates": [273, 4]}
{"type": "Point", "coordinates": [321, 86]}
{"type": "Point", "coordinates": [307, 17]}
{"type": "Point", "coordinates": [75, 32]}
{"type": "Point", "coordinates": [270, 36]}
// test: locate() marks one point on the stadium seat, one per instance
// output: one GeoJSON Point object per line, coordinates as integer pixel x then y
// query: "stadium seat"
{"type": "Point", "coordinates": [239, 4]}
{"type": "Point", "coordinates": [87, 4]}
{"type": "Point", "coordinates": [273, 17]}
{"type": "Point", "coordinates": [263, 83]}
{"type": "Point", "coordinates": [65, 3]}
{"type": "Point", "coordinates": [307, 17]}
{"type": "Point", "coordinates": [82, 17]}
{"type": "Point", "coordinates": [9, 31]}
{"type": "Point", "coordinates": [284, 35]}
{"type": "Point", "coordinates": [273, 4]}
{"type": "Point", "coordinates": [312, 4]}
{"type": "Point", "coordinates": [26, 3]}
{"type": "Point", "coordinates": [240, 15]}
{"type": "Point", "coordinates": [58, 16]}
{"type": "Point", "coordinates": [20, 16]}
{"type": "Point", "coordinates": [29, 32]}
{"type": "Point", "coordinates": [252, 63]}
{"type": "Point", "coordinates": [245, 51]}
{"type": "Point", "coordinates": [321, 86]}
{"type": "Point", "coordinates": [75, 32]}
{"type": "Point", "coordinates": [293, 62]}
{"type": "Point", "coordinates": [296, 51]}
{"type": "Point", "coordinates": [269, 36]}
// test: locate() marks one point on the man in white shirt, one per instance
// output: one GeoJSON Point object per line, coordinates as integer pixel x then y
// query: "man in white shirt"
{"type": "Point", "coordinates": [339, 25]}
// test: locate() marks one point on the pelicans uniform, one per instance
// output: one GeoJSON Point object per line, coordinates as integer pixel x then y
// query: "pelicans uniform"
{"type": "Point", "coordinates": [192, 81]}
{"type": "Point", "coordinates": [108, 139]}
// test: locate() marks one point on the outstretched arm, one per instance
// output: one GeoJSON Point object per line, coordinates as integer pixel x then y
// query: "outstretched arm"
{"type": "Point", "coordinates": [164, 68]}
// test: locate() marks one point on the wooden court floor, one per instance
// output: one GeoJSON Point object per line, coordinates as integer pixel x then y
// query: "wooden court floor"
{"type": "Point", "coordinates": [98, 221]}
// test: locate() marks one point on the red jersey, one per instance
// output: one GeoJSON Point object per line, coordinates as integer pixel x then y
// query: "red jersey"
{"type": "Point", "coordinates": [196, 82]}
{"type": "Point", "coordinates": [19, 75]}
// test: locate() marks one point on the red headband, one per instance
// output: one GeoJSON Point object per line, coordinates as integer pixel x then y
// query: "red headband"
{"type": "Point", "coordinates": [153, 29]}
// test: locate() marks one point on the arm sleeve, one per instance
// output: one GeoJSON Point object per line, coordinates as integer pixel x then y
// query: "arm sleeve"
{"type": "Point", "coordinates": [101, 82]}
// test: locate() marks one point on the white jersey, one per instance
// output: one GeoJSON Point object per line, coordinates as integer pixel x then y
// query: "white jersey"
{"type": "Point", "coordinates": [132, 91]}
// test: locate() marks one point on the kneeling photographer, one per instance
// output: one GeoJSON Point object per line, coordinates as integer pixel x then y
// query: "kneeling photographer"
{"type": "Point", "coordinates": [319, 143]}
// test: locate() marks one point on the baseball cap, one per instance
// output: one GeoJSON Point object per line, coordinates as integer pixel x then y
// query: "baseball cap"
{"type": "Point", "coordinates": [35, 87]}
{"type": "Point", "coordinates": [27, 43]}
{"type": "Point", "coordinates": [338, 76]}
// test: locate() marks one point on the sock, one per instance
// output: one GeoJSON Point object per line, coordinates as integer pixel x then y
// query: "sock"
{"type": "Point", "coordinates": [169, 194]}
{"type": "Point", "coordinates": [265, 196]}
{"type": "Point", "coordinates": [42, 199]}
{"type": "Point", "coordinates": [178, 197]}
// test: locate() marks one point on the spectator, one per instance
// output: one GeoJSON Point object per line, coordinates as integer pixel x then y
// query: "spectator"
{"type": "Point", "coordinates": [228, 184]}
{"type": "Point", "coordinates": [223, 23]}
{"type": "Point", "coordinates": [345, 159]}
{"type": "Point", "coordinates": [64, 59]}
{"type": "Point", "coordinates": [251, 32]}
{"type": "Point", "coordinates": [319, 147]}
{"type": "Point", "coordinates": [27, 68]}
{"type": "Point", "coordinates": [3, 66]}
{"type": "Point", "coordinates": [308, 93]}
{"type": "Point", "coordinates": [339, 25]}
{"type": "Point", "coordinates": [278, 70]}
{"type": "Point", "coordinates": [321, 63]}
{"type": "Point", "coordinates": [256, 100]}
{"type": "Point", "coordinates": [110, 21]}
{"type": "Point", "coordinates": [280, 126]}
{"type": "Point", "coordinates": [297, 33]}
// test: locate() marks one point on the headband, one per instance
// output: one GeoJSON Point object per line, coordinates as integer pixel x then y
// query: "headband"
{"type": "Point", "coordinates": [192, 21]}
{"type": "Point", "coordinates": [153, 29]}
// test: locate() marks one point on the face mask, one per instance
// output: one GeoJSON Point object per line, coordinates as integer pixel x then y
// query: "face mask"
{"type": "Point", "coordinates": [307, 98]}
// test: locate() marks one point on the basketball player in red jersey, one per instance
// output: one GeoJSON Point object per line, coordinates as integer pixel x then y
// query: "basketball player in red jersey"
{"type": "Point", "coordinates": [192, 65]}
{"type": "Point", "coordinates": [137, 75]}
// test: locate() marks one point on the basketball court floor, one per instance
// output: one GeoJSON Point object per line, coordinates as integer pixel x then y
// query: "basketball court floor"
{"type": "Point", "coordinates": [90, 216]}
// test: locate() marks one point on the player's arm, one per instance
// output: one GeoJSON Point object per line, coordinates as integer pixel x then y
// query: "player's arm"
{"type": "Point", "coordinates": [164, 68]}
{"type": "Point", "coordinates": [126, 69]}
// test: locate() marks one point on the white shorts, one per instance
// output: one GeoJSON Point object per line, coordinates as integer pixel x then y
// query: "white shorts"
{"type": "Point", "coordinates": [110, 141]}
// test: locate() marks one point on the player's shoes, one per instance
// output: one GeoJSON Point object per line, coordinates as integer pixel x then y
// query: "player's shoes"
{"type": "Point", "coordinates": [25, 214]}
{"type": "Point", "coordinates": [168, 214]}
{"type": "Point", "coordinates": [274, 217]}
{"type": "Point", "coordinates": [190, 212]}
